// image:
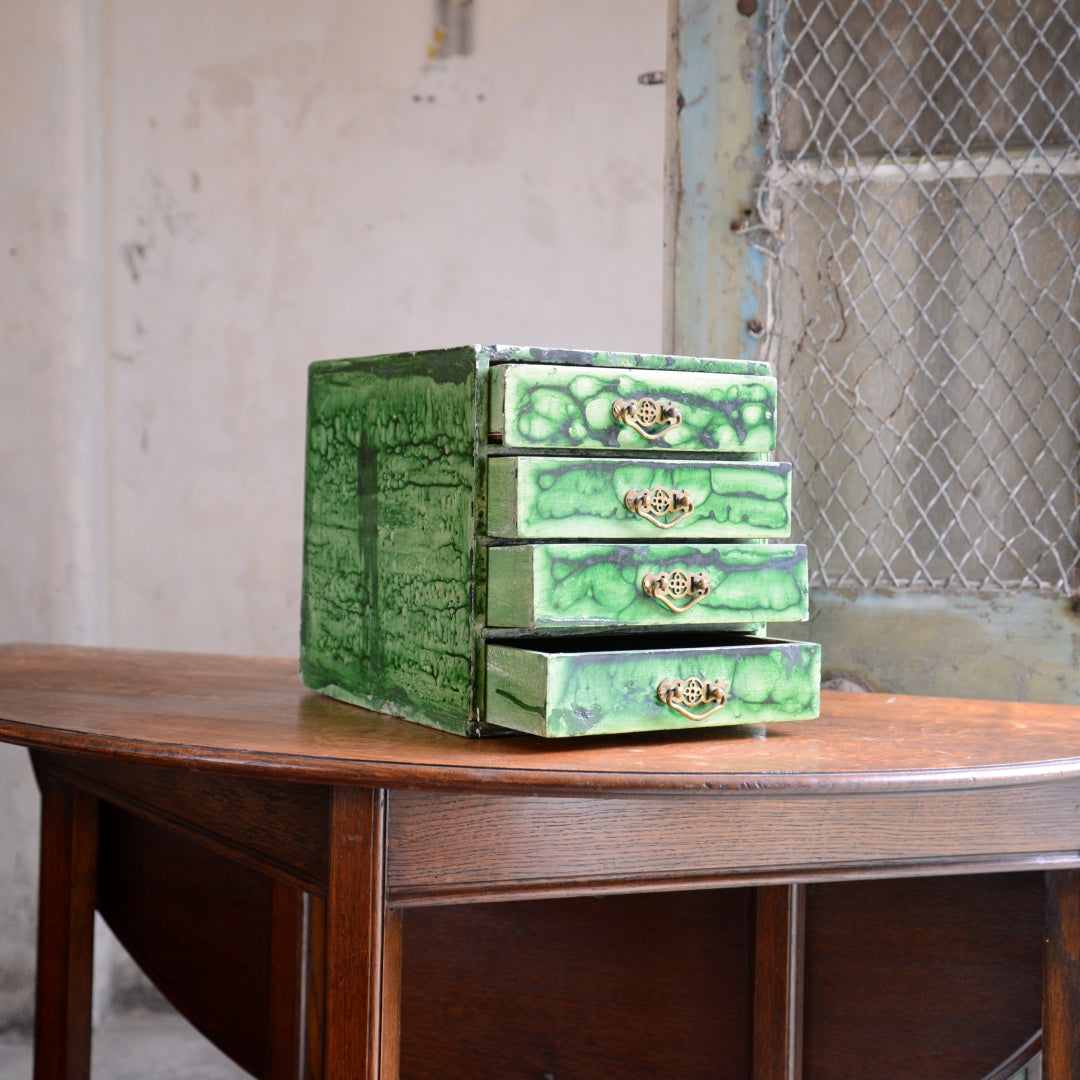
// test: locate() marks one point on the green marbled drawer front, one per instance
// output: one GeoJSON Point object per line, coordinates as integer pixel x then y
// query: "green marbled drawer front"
{"type": "Point", "coordinates": [559, 406]}
{"type": "Point", "coordinates": [551, 498]}
{"type": "Point", "coordinates": [579, 691]}
{"type": "Point", "coordinates": [596, 585]}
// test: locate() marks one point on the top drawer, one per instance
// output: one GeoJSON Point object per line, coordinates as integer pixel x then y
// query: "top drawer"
{"type": "Point", "coordinates": [561, 406]}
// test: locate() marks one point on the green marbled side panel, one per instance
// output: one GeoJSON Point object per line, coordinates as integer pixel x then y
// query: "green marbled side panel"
{"type": "Point", "coordinates": [553, 498]}
{"type": "Point", "coordinates": [558, 694]}
{"type": "Point", "coordinates": [388, 541]}
{"type": "Point", "coordinates": [503, 354]}
{"type": "Point", "coordinates": [556, 406]}
{"type": "Point", "coordinates": [596, 585]}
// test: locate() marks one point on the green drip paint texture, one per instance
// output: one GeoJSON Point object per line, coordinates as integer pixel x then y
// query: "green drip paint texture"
{"type": "Point", "coordinates": [598, 585]}
{"type": "Point", "coordinates": [391, 582]}
{"type": "Point", "coordinates": [389, 535]}
{"type": "Point", "coordinates": [765, 683]}
{"type": "Point", "coordinates": [607, 693]}
{"type": "Point", "coordinates": [595, 585]}
{"type": "Point", "coordinates": [550, 406]}
{"type": "Point", "coordinates": [567, 498]}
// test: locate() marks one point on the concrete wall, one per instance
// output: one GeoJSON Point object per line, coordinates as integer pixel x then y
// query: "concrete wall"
{"type": "Point", "coordinates": [52, 555]}
{"type": "Point", "coordinates": [202, 196]}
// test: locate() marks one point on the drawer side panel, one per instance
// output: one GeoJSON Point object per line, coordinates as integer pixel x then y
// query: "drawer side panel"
{"type": "Point", "coordinates": [389, 534]}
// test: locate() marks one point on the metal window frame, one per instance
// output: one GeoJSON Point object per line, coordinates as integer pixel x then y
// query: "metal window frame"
{"type": "Point", "coordinates": [1022, 646]}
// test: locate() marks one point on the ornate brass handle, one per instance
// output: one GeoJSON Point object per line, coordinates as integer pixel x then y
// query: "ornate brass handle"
{"type": "Point", "coordinates": [685, 694]}
{"type": "Point", "coordinates": [655, 503]}
{"type": "Point", "coordinates": [677, 584]}
{"type": "Point", "coordinates": [645, 413]}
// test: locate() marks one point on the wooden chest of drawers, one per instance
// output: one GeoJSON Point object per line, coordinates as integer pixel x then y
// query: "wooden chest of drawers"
{"type": "Point", "coordinates": [562, 543]}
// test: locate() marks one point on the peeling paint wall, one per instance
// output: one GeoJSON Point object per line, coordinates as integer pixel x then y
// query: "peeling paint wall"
{"type": "Point", "coordinates": [52, 552]}
{"type": "Point", "coordinates": [287, 185]}
{"type": "Point", "coordinates": [202, 196]}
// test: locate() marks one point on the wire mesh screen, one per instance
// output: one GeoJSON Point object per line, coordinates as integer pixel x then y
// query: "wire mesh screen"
{"type": "Point", "coordinates": [921, 211]}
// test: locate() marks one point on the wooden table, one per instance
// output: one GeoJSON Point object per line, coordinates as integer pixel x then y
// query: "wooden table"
{"type": "Point", "coordinates": [864, 895]}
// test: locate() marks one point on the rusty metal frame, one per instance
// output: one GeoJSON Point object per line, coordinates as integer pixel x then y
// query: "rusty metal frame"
{"type": "Point", "coordinates": [714, 282]}
{"type": "Point", "coordinates": [1017, 647]}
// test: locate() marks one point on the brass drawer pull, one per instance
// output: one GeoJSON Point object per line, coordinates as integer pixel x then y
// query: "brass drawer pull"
{"type": "Point", "coordinates": [655, 503]}
{"type": "Point", "coordinates": [665, 587]}
{"type": "Point", "coordinates": [685, 694]}
{"type": "Point", "coordinates": [645, 413]}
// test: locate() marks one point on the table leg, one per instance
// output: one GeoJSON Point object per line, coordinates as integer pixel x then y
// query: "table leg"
{"type": "Point", "coordinates": [778, 981]}
{"type": "Point", "coordinates": [1061, 977]}
{"type": "Point", "coordinates": [286, 967]}
{"type": "Point", "coordinates": [67, 895]}
{"type": "Point", "coordinates": [355, 944]}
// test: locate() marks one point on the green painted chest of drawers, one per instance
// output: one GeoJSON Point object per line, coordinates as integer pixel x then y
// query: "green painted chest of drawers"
{"type": "Point", "coordinates": [562, 543]}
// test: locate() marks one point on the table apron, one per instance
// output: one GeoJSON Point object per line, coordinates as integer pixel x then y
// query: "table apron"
{"type": "Point", "coordinates": [444, 847]}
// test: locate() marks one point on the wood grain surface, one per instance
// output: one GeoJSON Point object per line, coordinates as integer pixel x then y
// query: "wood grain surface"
{"type": "Point", "coordinates": [935, 978]}
{"type": "Point", "coordinates": [361, 964]}
{"type": "Point", "coordinates": [445, 848]}
{"type": "Point", "coordinates": [196, 757]}
{"type": "Point", "coordinates": [779, 935]}
{"type": "Point", "coordinates": [1061, 976]}
{"type": "Point", "coordinates": [252, 716]}
{"type": "Point", "coordinates": [68, 892]}
{"type": "Point", "coordinates": [584, 989]}
{"type": "Point", "coordinates": [220, 940]}
{"type": "Point", "coordinates": [271, 825]}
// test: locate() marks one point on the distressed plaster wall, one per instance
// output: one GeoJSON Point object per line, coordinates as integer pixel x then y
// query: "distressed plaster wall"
{"type": "Point", "coordinates": [52, 555]}
{"type": "Point", "coordinates": [202, 196]}
{"type": "Point", "coordinates": [293, 182]}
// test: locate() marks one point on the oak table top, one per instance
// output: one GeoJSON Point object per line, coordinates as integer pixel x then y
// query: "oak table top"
{"type": "Point", "coordinates": [251, 716]}
{"type": "Point", "coordinates": [232, 759]}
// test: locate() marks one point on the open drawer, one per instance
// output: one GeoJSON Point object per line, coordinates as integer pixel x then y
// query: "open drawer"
{"type": "Point", "coordinates": [598, 686]}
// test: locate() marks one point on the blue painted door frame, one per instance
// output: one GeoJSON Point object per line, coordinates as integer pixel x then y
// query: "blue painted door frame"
{"type": "Point", "coordinates": [1023, 646]}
